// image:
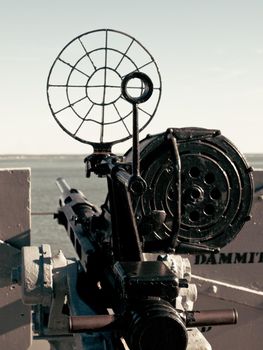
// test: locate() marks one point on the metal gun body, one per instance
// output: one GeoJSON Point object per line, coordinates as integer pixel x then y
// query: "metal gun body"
{"type": "Point", "coordinates": [121, 279]}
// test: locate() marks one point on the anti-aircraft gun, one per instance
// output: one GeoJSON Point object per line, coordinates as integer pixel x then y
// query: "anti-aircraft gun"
{"type": "Point", "coordinates": [183, 191]}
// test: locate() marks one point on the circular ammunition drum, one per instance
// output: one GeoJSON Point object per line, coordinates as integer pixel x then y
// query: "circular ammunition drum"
{"type": "Point", "coordinates": [206, 191]}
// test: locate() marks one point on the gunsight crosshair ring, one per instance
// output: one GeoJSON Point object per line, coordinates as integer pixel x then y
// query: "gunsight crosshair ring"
{"type": "Point", "coordinates": [84, 87]}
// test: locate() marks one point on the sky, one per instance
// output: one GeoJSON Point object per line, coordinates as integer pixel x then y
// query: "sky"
{"type": "Point", "coordinates": [209, 53]}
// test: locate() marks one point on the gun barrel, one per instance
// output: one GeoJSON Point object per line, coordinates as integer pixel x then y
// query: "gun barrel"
{"type": "Point", "coordinates": [62, 184]}
{"type": "Point", "coordinates": [211, 317]}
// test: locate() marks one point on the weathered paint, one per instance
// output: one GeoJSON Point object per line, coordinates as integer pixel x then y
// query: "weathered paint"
{"type": "Point", "coordinates": [15, 317]}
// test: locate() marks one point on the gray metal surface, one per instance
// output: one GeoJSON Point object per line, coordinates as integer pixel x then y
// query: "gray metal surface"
{"type": "Point", "coordinates": [15, 206]}
{"type": "Point", "coordinates": [15, 317]}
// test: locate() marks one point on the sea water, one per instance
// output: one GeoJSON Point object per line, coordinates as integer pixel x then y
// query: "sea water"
{"type": "Point", "coordinates": [45, 169]}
